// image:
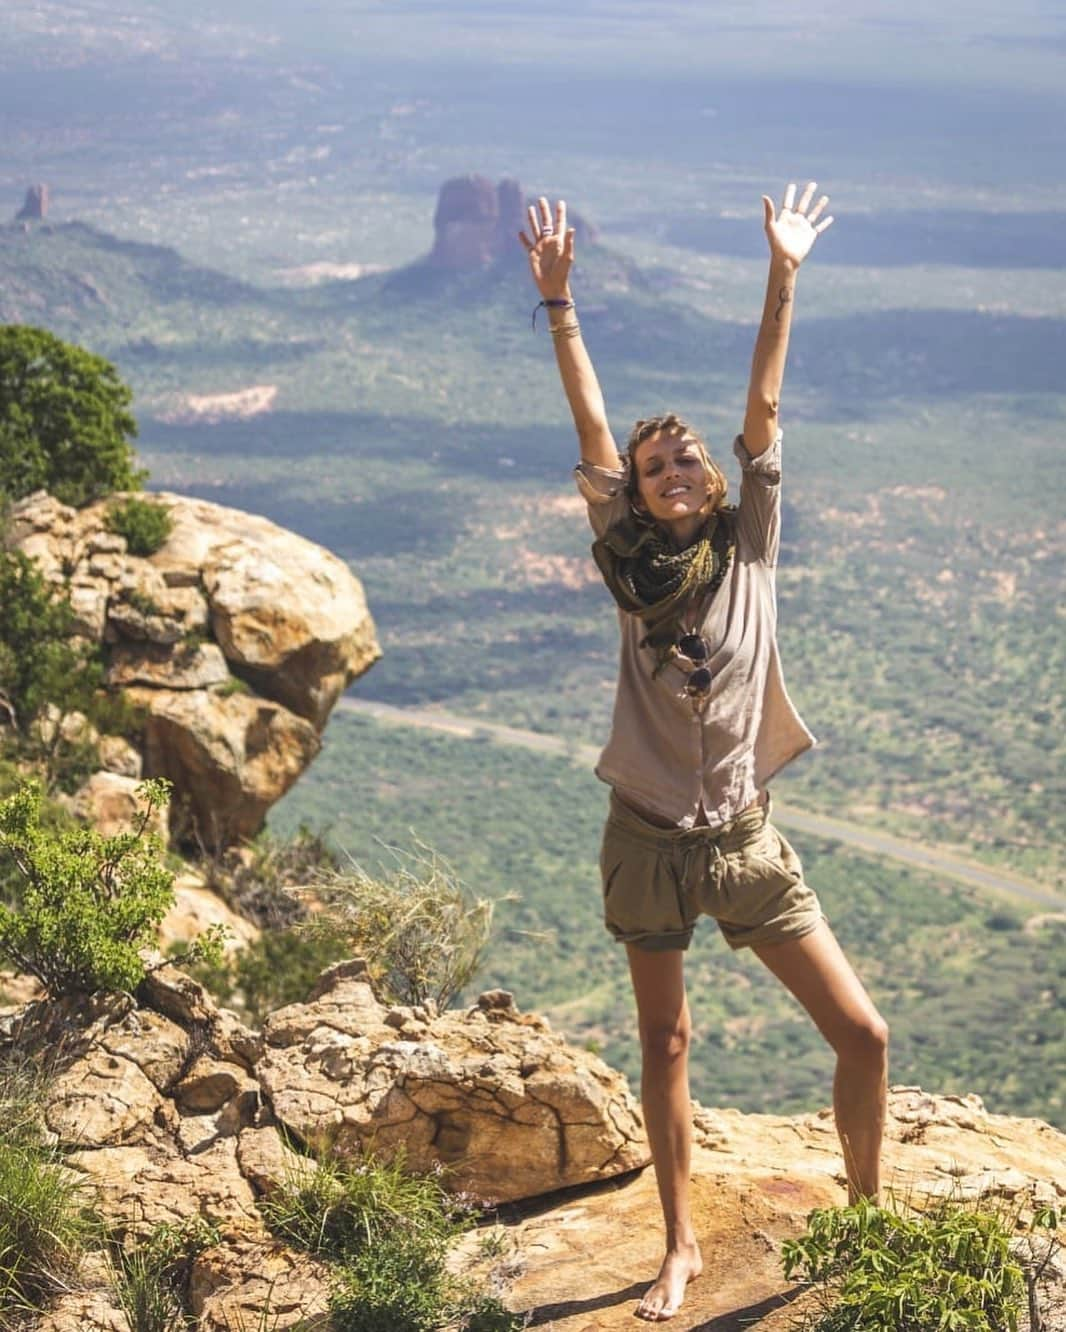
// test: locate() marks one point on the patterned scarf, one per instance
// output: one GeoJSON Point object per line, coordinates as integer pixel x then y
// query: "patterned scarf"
{"type": "Point", "coordinates": [648, 577]}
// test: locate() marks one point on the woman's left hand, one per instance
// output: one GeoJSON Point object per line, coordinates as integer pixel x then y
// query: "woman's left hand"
{"type": "Point", "coordinates": [793, 231]}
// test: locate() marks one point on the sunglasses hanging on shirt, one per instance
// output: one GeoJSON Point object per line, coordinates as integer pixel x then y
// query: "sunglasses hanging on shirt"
{"type": "Point", "coordinates": [697, 651]}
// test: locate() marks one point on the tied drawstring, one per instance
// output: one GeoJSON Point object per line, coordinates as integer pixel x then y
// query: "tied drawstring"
{"type": "Point", "coordinates": [702, 842]}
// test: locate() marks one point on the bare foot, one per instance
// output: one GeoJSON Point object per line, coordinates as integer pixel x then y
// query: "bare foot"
{"type": "Point", "coordinates": [680, 1266]}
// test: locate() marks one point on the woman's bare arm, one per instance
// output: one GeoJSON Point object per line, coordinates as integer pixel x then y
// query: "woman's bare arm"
{"type": "Point", "coordinates": [791, 235]}
{"type": "Point", "coordinates": [550, 249]}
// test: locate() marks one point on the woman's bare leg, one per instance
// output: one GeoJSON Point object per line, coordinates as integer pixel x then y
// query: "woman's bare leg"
{"type": "Point", "coordinates": [816, 971]}
{"type": "Point", "coordinates": [665, 1031]}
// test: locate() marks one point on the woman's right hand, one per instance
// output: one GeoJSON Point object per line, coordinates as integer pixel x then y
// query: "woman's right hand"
{"type": "Point", "coordinates": [550, 248]}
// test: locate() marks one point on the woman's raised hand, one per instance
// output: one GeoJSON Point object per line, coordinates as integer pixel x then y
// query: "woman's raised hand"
{"type": "Point", "coordinates": [794, 230]}
{"type": "Point", "coordinates": [550, 247]}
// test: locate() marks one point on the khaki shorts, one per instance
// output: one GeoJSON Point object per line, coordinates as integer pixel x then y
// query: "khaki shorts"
{"type": "Point", "coordinates": [657, 882]}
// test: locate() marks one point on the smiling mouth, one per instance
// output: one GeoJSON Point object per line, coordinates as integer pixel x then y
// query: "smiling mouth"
{"type": "Point", "coordinates": [675, 490]}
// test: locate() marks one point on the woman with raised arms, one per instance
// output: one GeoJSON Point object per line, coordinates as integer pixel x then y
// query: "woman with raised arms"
{"type": "Point", "coordinates": [702, 722]}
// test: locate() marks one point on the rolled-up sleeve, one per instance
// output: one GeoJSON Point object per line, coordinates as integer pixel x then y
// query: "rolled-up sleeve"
{"type": "Point", "coordinates": [759, 511]}
{"type": "Point", "coordinates": [604, 491]}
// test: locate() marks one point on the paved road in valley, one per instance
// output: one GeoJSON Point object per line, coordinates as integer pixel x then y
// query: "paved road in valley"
{"type": "Point", "coordinates": [873, 842]}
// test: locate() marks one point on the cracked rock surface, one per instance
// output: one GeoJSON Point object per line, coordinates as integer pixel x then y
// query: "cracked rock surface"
{"type": "Point", "coordinates": [236, 637]}
{"type": "Point", "coordinates": [509, 1107]}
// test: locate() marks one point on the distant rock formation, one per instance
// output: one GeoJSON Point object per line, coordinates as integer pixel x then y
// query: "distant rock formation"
{"type": "Point", "coordinates": [476, 223]}
{"type": "Point", "coordinates": [235, 639]}
{"type": "Point", "coordinates": [36, 206]}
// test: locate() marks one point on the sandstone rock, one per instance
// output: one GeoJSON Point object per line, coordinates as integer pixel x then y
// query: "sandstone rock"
{"type": "Point", "coordinates": [243, 1283]}
{"type": "Point", "coordinates": [157, 1046]}
{"type": "Point", "coordinates": [188, 667]}
{"type": "Point", "coordinates": [140, 1187]}
{"type": "Point", "coordinates": [119, 756]}
{"type": "Point", "coordinates": [102, 1099]}
{"type": "Point", "coordinates": [18, 991]}
{"type": "Point", "coordinates": [210, 1085]}
{"type": "Point", "coordinates": [105, 542]}
{"type": "Point", "coordinates": [83, 1311]}
{"type": "Point", "coordinates": [88, 601]}
{"type": "Point", "coordinates": [109, 803]}
{"type": "Point", "coordinates": [752, 1188]}
{"type": "Point", "coordinates": [177, 996]}
{"type": "Point", "coordinates": [72, 727]}
{"type": "Point", "coordinates": [235, 1041]}
{"type": "Point", "coordinates": [288, 616]}
{"type": "Point", "coordinates": [267, 1163]}
{"type": "Point", "coordinates": [230, 757]}
{"type": "Point", "coordinates": [196, 909]}
{"type": "Point", "coordinates": [493, 1094]}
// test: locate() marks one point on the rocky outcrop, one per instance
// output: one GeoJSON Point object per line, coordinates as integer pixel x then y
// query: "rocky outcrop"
{"type": "Point", "coordinates": [235, 639]}
{"type": "Point", "coordinates": [173, 1110]}
{"type": "Point", "coordinates": [584, 1263]}
{"type": "Point", "coordinates": [476, 223]}
{"type": "Point", "coordinates": [35, 207]}
{"type": "Point", "coordinates": [492, 1093]}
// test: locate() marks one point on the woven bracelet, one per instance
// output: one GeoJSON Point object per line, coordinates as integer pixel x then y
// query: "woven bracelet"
{"type": "Point", "coordinates": [559, 304]}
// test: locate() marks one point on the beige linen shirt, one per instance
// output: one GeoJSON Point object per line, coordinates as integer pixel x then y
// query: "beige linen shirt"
{"type": "Point", "coordinates": [664, 756]}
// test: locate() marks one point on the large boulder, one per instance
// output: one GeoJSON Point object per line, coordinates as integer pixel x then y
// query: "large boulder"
{"type": "Point", "coordinates": [509, 1107]}
{"type": "Point", "coordinates": [236, 638]}
{"type": "Point", "coordinates": [230, 757]}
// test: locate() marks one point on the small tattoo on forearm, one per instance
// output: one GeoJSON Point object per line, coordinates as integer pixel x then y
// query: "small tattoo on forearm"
{"type": "Point", "coordinates": [783, 298]}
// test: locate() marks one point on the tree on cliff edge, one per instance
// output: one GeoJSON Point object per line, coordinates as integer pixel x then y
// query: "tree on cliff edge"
{"type": "Point", "coordinates": [65, 424]}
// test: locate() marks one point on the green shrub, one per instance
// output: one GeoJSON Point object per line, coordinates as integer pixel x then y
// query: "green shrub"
{"type": "Point", "coordinates": [389, 1233]}
{"type": "Point", "coordinates": [38, 663]}
{"type": "Point", "coordinates": [144, 523]}
{"type": "Point", "coordinates": [46, 1220]}
{"type": "Point", "coordinates": [421, 931]}
{"type": "Point", "coordinates": [880, 1270]}
{"type": "Point", "coordinates": [86, 903]}
{"type": "Point", "coordinates": [65, 426]}
{"type": "Point", "coordinates": [1003, 921]}
{"type": "Point", "coordinates": [234, 685]}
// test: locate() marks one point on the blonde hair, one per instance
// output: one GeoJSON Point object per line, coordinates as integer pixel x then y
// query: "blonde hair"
{"type": "Point", "coordinates": [672, 424]}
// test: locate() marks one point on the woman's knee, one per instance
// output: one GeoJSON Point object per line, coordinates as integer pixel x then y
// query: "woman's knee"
{"type": "Point", "coordinates": [864, 1040]}
{"type": "Point", "coordinates": [665, 1042]}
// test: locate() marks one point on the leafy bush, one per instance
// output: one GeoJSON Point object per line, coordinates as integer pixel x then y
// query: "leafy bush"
{"type": "Point", "coordinates": [879, 1270]}
{"type": "Point", "coordinates": [38, 663]}
{"type": "Point", "coordinates": [86, 903]}
{"type": "Point", "coordinates": [46, 1222]}
{"type": "Point", "coordinates": [144, 523]}
{"type": "Point", "coordinates": [64, 421]}
{"type": "Point", "coordinates": [421, 931]}
{"type": "Point", "coordinates": [389, 1232]}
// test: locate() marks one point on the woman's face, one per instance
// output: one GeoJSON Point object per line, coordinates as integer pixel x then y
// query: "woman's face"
{"type": "Point", "coordinates": [672, 481]}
